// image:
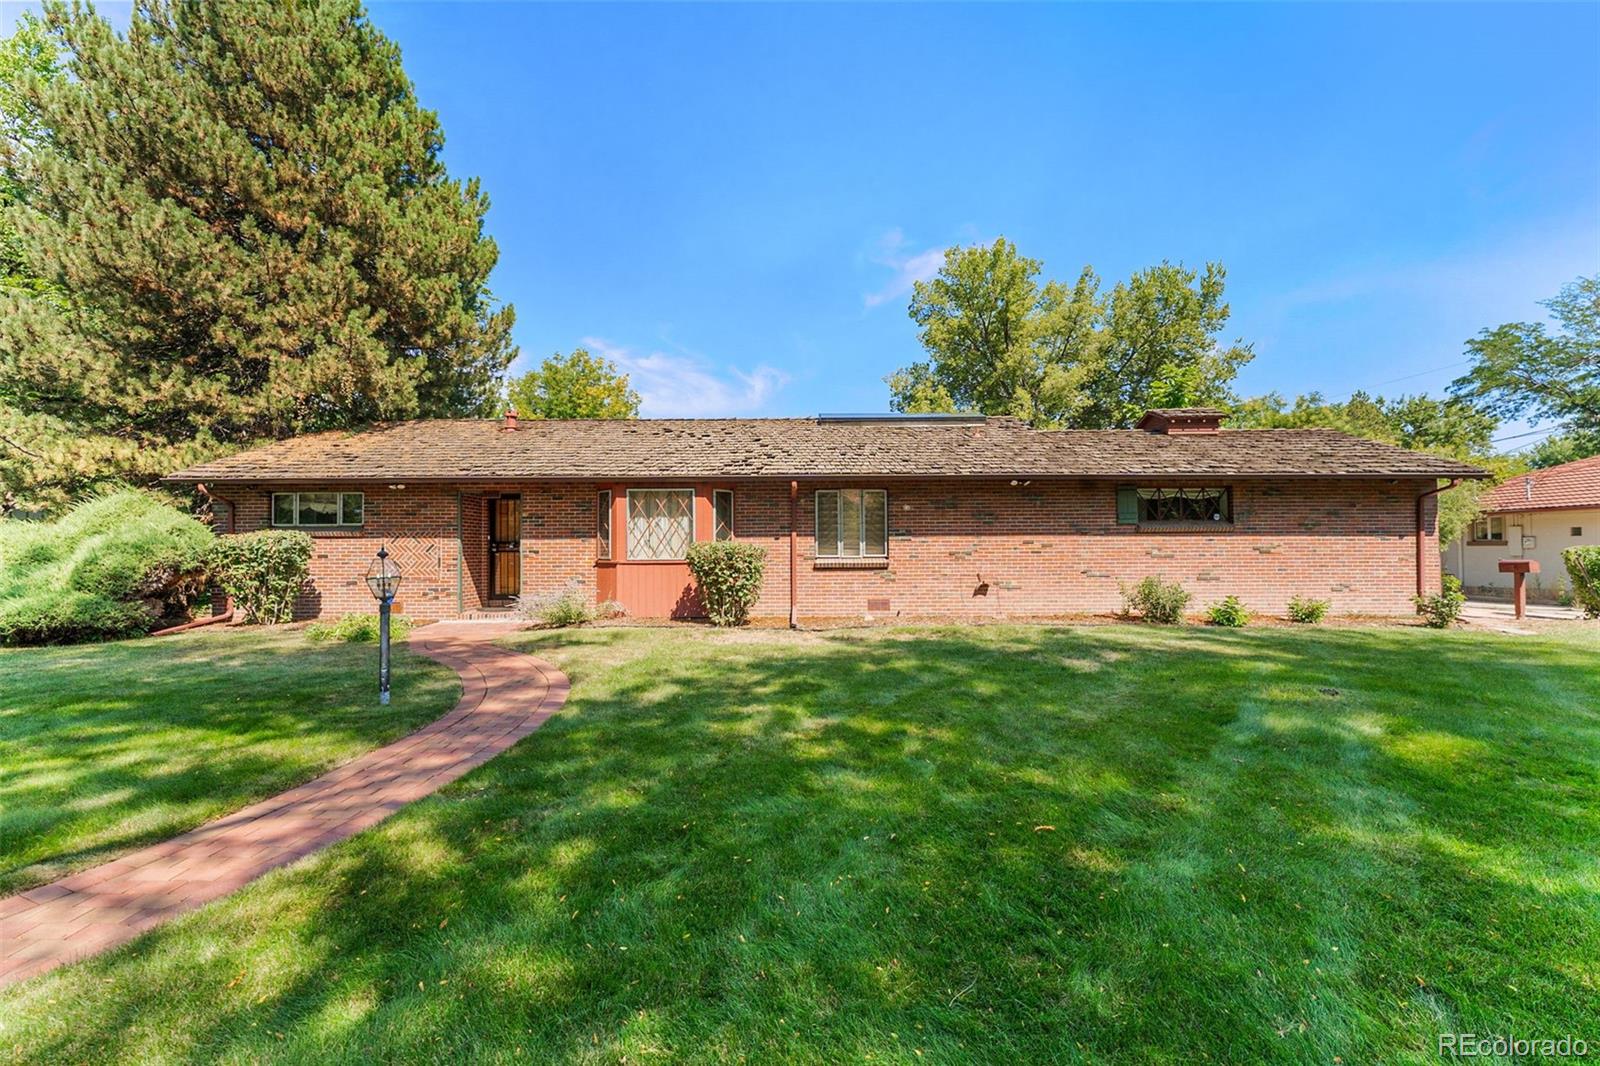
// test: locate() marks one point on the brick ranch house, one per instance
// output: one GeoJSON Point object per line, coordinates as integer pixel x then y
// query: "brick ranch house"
{"type": "Point", "coordinates": [862, 516]}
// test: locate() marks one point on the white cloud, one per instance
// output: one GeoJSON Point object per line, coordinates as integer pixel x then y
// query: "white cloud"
{"type": "Point", "coordinates": [686, 386]}
{"type": "Point", "coordinates": [909, 268]}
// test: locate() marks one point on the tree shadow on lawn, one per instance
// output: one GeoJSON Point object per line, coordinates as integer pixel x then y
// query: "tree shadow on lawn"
{"type": "Point", "coordinates": [111, 747]}
{"type": "Point", "coordinates": [996, 844]}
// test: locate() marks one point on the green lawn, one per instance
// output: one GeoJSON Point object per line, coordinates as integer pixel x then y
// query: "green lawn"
{"type": "Point", "coordinates": [932, 845]}
{"type": "Point", "coordinates": [107, 747]}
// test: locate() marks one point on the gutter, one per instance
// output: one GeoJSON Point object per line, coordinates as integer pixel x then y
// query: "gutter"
{"type": "Point", "coordinates": [1421, 555]}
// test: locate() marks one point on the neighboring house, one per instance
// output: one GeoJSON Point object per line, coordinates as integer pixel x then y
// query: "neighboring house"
{"type": "Point", "coordinates": [948, 516]}
{"type": "Point", "coordinates": [1534, 516]}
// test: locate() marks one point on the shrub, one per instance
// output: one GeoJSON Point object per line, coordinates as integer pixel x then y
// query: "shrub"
{"type": "Point", "coordinates": [1583, 566]}
{"type": "Point", "coordinates": [727, 576]}
{"type": "Point", "coordinates": [1228, 612]}
{"type": "Point", "coordinates": [568, 607]}
{"type": "Point", "coordinates": [357, 629]}
{"type": "Point", "coordinates": [263, 572]}
{"type": "Point", "coordinates": [1155, 600]}
{"type": "Point", "coordinates": [1440, 610]}
{"type": "Point", "coordinates": [1307, 611]}
{"type": "Point", "coordinates": [114, 566]}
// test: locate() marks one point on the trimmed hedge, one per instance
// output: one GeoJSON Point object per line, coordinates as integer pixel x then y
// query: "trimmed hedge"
{"type": "Point", "coordinates": [113, 566]}
{"type": "Point", "coordinates": [262, 572]}
{"type": "Point", "coordinates": [727, 576]}
{"type": "Point", "coordinates": [1583, 566]}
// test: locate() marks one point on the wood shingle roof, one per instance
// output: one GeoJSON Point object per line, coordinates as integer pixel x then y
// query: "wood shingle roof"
{"type": "Point", "coordinates": [718, 448]}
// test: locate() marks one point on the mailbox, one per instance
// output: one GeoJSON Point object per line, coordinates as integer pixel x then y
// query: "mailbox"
{"type": "Point", "coordinates": [1519, 569]}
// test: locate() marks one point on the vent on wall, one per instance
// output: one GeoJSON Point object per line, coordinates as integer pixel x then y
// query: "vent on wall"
{"type": "Point", "coordinates": [878, 606]}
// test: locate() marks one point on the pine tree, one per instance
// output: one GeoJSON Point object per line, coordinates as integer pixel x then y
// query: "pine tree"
{"type": "Point", "coordinates": [246, 207]}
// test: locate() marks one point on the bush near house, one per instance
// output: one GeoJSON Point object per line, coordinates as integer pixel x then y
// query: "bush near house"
{"type": "Point", "coordinates": [1228, 612]}
{"type": "Point", "coordinates": [1440, 610]}
{"type": "Point", "coordinates": [1583, 566]}
{"type": "Point", "coordinates": [357, 629]}
{"type": "Point", "coordinates": [114, 566]}
{"type": "Point", "coordinates": [1307, 611]}
{"type": "Point", "coordinates": [727, 576]}
{"type": "Point", "coordinates": [1155, 600]}
{"type": "Point", "coordinates": [263, 572]}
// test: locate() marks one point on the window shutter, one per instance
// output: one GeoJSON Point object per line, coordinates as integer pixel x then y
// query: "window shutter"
{"type": "Point", "coordinates": [1127, 505]}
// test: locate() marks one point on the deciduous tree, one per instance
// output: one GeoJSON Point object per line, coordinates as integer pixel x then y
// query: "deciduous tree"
{"type": "Point", "coordinates": [1522, 369]}
{"type": "Point", "coordinates": [1001, 341]}
{"type": "Point", "coordinates": [579, 385]}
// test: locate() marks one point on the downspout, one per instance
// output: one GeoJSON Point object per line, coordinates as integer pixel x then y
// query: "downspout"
{"type": "Point", "coordinates": [1420, 537]}
{"type": "Point", "coordinates": [794, 553]}
{"type": "Point", "coordinates": [208, 494]}
{"type": "Point", "coordinates": [226, 614]}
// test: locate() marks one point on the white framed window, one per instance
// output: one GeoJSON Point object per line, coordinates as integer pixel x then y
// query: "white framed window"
{"type": "Point", "coordinates": [722, 511]}
{"type": "Point", "coordinates": [1490, 529]}
{"type": "Point", "coordinates": [318, 509]}
{"type": "Point", "coordinates": [602, 524]}
{"type": "Point", "coordinates": [660, 523]}
{"type": "Point", "coordinates": [852, 524]}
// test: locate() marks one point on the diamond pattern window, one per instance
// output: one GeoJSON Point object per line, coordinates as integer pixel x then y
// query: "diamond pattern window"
{"type": "Point", "coordinates": [660, 523]}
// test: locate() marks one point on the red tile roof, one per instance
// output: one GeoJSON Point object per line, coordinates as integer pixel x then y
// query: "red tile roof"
{"type": "Point", "coordinates": [1563, 487]}
{"type": "Point", "coordinates": [714, 448]}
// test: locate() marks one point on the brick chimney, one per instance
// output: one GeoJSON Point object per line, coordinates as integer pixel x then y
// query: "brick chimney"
{"type": "Point", "coordinates": [510, 419]}
{"type": "Point", "coordinates": [1176, 421]}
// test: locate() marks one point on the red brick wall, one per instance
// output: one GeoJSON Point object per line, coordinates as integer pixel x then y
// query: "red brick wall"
{"type": "Point", "coordinates": [417, 525]}
{"type": "Point", "coordinates": [989, 549]}
{"type": "Point", "coordinates": [966, 550]}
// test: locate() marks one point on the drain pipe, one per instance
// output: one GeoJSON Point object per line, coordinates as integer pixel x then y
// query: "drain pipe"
{"type": "Point", "coordinates": [1421, 540]}
{"type": "Point", "coordinates": [227, 603]}
{"type": "Point", "coordinates": [794, 553]}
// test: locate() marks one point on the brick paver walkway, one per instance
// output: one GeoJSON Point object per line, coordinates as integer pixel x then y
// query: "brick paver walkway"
{"type": "Point", "coordinates": [506, 696]}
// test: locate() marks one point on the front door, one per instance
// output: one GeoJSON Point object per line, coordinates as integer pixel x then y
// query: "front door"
{"type": "Point", "coordinates": [505, 548]}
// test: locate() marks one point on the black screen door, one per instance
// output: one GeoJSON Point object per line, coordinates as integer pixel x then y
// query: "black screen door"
{"type": "Point", "coordinates": [505, 547]}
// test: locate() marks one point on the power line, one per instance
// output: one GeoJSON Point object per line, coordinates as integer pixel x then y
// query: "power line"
{"type": "Point", "coordinates": [1529, 433]}
{"type": "Point", "coordinates": [1422, 373]}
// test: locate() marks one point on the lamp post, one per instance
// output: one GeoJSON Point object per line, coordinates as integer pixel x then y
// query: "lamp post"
{"type": "Point", "coordinates": [383, 578]}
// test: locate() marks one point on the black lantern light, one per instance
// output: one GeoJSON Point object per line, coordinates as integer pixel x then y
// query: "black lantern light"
{"type": "Point", "coordinates": [383, 578]}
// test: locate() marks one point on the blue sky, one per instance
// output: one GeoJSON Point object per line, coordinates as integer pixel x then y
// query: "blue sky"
{"type": "Point", "coordinates": [733, 200]}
